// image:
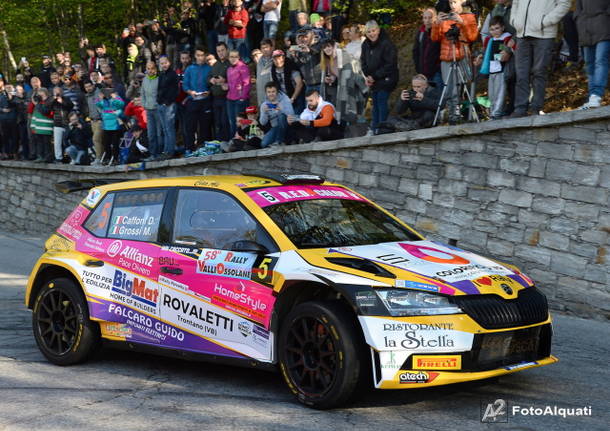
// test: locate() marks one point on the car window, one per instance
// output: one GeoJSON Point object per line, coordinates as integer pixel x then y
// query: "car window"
{"type": "Point", "coordinates": [97, 223]}
{"type": "Point", "coordinates": [210, 219]}
{"type": "Point", "coordinates": [136, 215]}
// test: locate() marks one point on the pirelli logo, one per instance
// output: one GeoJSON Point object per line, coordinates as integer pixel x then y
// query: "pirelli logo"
{"type": "Point", "coordinates": [448, 362]}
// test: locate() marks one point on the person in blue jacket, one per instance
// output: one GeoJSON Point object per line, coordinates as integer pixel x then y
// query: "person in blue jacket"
{"type": "Point", "coordinates": [110, 107]}
{"type": "Point", "coordinates": [198, 103]}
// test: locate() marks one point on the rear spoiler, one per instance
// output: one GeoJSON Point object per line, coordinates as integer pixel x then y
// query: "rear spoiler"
{"type": "Point", "coordinates": [71, 186]}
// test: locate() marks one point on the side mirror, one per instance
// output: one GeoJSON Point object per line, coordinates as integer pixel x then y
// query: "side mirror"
{"type": "Point", "coordinates": [248, 246]}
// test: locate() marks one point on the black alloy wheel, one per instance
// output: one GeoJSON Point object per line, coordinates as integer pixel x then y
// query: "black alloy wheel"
{"type": "Point", "coordinates": [322, 354]}
{"type": "Point", "coordinates": [61, 325]}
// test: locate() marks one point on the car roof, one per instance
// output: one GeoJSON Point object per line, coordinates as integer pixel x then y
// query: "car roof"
{"type": "Point", "coordinates": [217, 181]}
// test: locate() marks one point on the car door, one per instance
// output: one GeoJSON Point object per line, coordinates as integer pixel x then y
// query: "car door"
{"type": "Point", "coordinates": [208, 287]}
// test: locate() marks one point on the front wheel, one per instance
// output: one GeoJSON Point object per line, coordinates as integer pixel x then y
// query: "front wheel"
{"type": "Point", "coordinates": [61, 325]}
{"type": "Point", "coordinates": [321, 353]}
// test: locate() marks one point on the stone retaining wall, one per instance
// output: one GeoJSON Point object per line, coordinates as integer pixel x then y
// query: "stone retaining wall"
{"type": "Point", "coordinates": [532, 191]}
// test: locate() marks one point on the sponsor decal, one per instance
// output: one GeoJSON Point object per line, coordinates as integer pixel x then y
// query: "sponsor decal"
{"type": "Point", "coordinates": [188, 251]}
{"type": "Point", "coordinates": [205, 183]}
{"type": "Point", "coordinates": [195, 315]}
{"type": "Point", "coordinates": [416, 377]}
{"type": "Point", "coordinates": [134, 291]}
{"type": "Point", "coordinates": [282, 194]}
{"type": "Point", "coordinates": [114, 248]}
{"type": "Point", "coordinates": [117, 330]}
{"type": "Point", "coordinates": [94, 244]}
{"type": "Point", "coordinates": [93, 197]}
{"type": "Point", "coordinates": [408, 284]}
{"type": "Point", "coordinates": [438, 337]}
{"type": "Point", "coordinates": [366, 299]}
{"type": "Point", "coordinates": [176, 285]}
{"type": "Point", "coordinates": [226, 263]}
{"type": "Point", "coordinates": [434, 255]}
{"type": "Point", "coordinates": [450, 362]}
{"type": "Point", "coordinates": [133, 226]}
{"type": "Point", "coordinates": [240, 296]}
{"type": "Point", "coordinates": [245, 328]}
{"type": "Point", "coordinates": [92, 279]}
{"type": "Point", "coordinates": [145, 324]}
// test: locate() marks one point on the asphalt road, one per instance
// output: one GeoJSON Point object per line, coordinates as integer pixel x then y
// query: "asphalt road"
{"type": "Point", "coordinates": [130, 391]}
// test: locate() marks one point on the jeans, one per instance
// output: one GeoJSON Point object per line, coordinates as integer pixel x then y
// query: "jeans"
{"type": "Point", "coordinates": [221, 119]}
{"type": "Point", "coordinates": [380, 108]}
{"type": "Point", "coordinates": [75, 154]}
{"type": "Point", "coordinates": [532, 58]}
{"type": "Point", "coordinates": [9, 137]}
{"type": "Point", "coordinates": [153, 130]}
{"type": "Point", "coordinates": [58, 141]}
{"type": "Point", "coordinates": [234, 107]}
{"type": "Point", "coordinates": [167, 115]}
{"type": "Point", "coordinates": [596, 61]}
{"type": "Point", "coordinates": [270, 29]}
{"type": "Point", "coordinates": [241, 46]}
{"type": "Point", "coordinates": [198, 118]}
{"type": "Point", "coordinates": [277, 133]}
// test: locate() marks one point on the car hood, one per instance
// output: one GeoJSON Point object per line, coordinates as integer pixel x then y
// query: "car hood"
{"type": "Point", "coordinates": [430, 266]}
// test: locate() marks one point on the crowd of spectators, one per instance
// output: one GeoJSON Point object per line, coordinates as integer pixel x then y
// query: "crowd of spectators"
{"type": "Point", "coordinates": [217, 76]}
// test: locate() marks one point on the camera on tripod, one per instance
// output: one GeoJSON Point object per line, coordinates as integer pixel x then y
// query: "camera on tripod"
{"type": "Point", "coordinates": [453, 33]}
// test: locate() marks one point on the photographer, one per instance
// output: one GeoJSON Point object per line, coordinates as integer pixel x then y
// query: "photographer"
{"type": "Point", "coordinates": [78, 137]}
{"type": "Point", "coordinates": [8, 122]}
{"type": "Point", "coordinates": [455, 30]}
{"type": "Point", "coordinates": [417, 106]}
{"type": "Point", "coordinates": [306, 55]}
{"type": "Point", "coordinates": [61, 107]}
{"type": "Point", "coordinates": [275, 110]}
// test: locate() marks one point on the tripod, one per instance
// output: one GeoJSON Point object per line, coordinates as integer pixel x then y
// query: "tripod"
{"type": "Point", "coordinates": [456, 77]}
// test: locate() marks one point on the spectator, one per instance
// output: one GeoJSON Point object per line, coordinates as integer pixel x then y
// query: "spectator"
{"type": "Point", "coordinates": [263, 68]}
{"type": "Point", "coordinates": [417, 106]}
{"type": "Point", "coordinates": [111, 106]}
{"type": "Point", "coordinates": [78, 138]}
{"type": "Point", "coordinates": [219, 89]}
{"type": "Point", "coordinates": [306, 55]}
{"type": "Point", "coordinates": [247, 133]}
{"type": "Point", "coordinates": [61, 107]}
{"type": "Point", "coordinates": [302, 21]}
{"type": "Point", "coordinates": [275, 109]}
{"type": "Point", "coordinates": [353, 96]}
{"type": "Point", "coordinates": [452, 49]}
{"type": "Point", "coordinates": [503, 9]}
{"type": "Point", "coordinates": [135, 87]}
{"type": "Point", "coordinates": [92, 96]}
{"type": "Point", "coordinates": [42, 125]}
{"type": "Point", "coordinates": [238, 80]}
{"type": "Point", "coordinates": [134, 63]}
{"type": "Point", "coordinates": [272, 10]}
{"type": "Point", "coordinates": [593, 22]}
{"type": "Point", "coordinates": [55, 79]}
{"type": "Point", "coordinates": [150, 93]}
{"type": "Point", "coordinates": [331, 64]}
{"type": "Point", "coordinates": [72, 91]}
{"type": "Point", "coordinates": [46, 70]}
{"type": "Point", "coordinates": [288, 36]}
{"type": "Point", "coordinates": [97, 79]}
{"type": "Point", "coordinates": [109, 81]}
{"type": "Point", "coordinates": [21, 102]}
{"type": "Point", "coordinates": [321, 6]}
{"type": "Point", "coordinates": [498, 50]}
{"type": "Point", "coordinates": [185, 61]}
{"type": "Point", "coordinates": [294, 8]}
{"type": "Point", "coordinates": [209, 12]}
{"type": "Point", "coordinates": [426, 52]}
{"type": "Point", "coordinates": [9, 133]}
{"type": "Point", "coordinates": [134, 142]}
{"type": "Point", "coordinates": [237, 22]}
{"type": "Point", "coordinates": [221, 27]}
{"type": "Point", "coordinates": [380, 67]}
{"type": "Point", "coordinates": [535, 24]}
{"type": "Point", "coordinates": [198, 103]}
{"type": "Point", "coordinates": [289, 80]}
{"type": "Point", "coordinates": [101, 57]}
{"type": "Point", "coordinates": [156, 39]}
{"type": "Point", "coordinates": [166, 97]}
{"type": "Point", "coordinates": [255, 30]}
{"type": "Point", "coordinates": [135, 113]}
{"type": "Point", "coordinates": [20, 80]}
{"type": "Point", "coordinates": [317, 122]}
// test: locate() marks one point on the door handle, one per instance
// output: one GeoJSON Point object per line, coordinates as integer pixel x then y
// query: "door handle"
{"type": "Point", "coordinates": [171, 270]}
{"type": "Point", "coordinates": [92, 262]}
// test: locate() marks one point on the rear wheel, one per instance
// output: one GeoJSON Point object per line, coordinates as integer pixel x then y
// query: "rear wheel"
{"type": "Point", "coordinates": [61, 325]}
{"type": "Point", "coordinates": [321, 354]}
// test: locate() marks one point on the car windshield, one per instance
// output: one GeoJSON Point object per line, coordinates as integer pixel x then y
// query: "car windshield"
{"type": "Point", "coordinates": [321, 223]}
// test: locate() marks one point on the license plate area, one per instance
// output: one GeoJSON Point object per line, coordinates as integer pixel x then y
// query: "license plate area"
{"type": "Point", "coordinates": [509, 347]}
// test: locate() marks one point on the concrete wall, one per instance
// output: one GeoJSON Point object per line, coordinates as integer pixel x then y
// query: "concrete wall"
{"type": "Point", "coordinates": [531, 191]}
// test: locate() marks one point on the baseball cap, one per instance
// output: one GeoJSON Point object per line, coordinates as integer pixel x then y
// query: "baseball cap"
{"type": "Point", "coordinates": [277, 53]}
{"type": "Point", "coordinates": [251, 110]}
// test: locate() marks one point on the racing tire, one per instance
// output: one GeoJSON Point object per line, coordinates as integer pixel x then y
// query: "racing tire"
{"type": "Point", "coordinates": [61, 325]}
{"type": "Point", "coordinates": [321, 354]}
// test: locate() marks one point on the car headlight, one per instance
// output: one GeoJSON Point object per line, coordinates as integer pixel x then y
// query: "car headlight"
{"type": "Point", "coordinates": [411, 303]}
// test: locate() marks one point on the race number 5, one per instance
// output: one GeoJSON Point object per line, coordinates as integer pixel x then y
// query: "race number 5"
{"type": "Point", "coordinates": [263, 272]}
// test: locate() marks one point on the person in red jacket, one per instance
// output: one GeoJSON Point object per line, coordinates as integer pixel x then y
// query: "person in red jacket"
{"type": "Point", "coordinates": [455, 47]}
{"type": "Point", "coordinates": [134, 109]}
{"type": "Point", "coordinates": [236, 21]}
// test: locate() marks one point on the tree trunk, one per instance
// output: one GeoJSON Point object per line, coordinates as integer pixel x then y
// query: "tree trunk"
{"type": "Point", "coordinates": [81, 26]}
{"type": "Point", "coordinates": [7, 47]}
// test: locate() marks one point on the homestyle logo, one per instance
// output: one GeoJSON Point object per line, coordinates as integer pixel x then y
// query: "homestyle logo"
{"type": "Point", "coordinates": [240, 297]}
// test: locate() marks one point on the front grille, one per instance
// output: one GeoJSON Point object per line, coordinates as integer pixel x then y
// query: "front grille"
{"type": "Point", "coordinates": [495, 312]}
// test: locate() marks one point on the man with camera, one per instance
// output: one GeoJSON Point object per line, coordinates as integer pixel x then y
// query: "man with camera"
{"type": "Point", "coordinates": [417, 106]}
{"type": "Point", "coordinates": [275, 110]}
{"type": "Point", "coordinates": [78, 138]}
{"type": "Point", "coordinates": [61, 107]}
{"type": "Point", "coordinates": [455, 30]}
{"type": "Point", "coordinates": [8, 122]}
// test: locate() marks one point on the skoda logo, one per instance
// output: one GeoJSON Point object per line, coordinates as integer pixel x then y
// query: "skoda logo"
{"type": "Point", "coordinates": [506, 288]}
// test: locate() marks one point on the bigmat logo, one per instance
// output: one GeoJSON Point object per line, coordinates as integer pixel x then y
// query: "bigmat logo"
{"type": "Point", "coordinates": [135, 288]}
{"type": "Point", "coordinates": [451, 362]}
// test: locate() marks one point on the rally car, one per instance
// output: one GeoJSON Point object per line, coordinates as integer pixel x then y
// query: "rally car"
{"type": "Point", "coordinates": [285, 272]}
